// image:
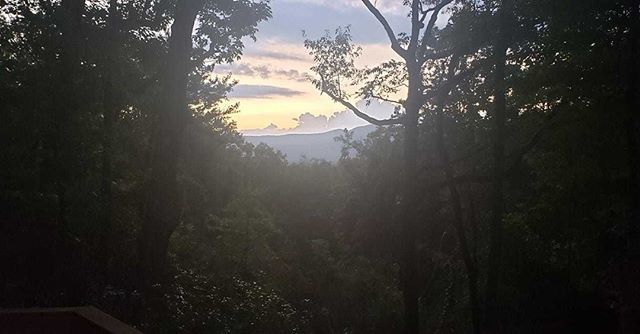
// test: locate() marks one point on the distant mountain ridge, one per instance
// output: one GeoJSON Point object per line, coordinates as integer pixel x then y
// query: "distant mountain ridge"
{"type": "Point", "coordinates": [311, 146]}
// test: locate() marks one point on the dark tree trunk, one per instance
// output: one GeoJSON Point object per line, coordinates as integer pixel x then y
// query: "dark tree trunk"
{"type": "Point", "coordinates": [410, 288]}
{"type": "Point", "coordinates": [409, 262]}
{"type": "Point", "coordinates": [456, 203]}
{"type": "Point", "coordinates": [630, 271]}
{"type": "Point", "coordinates": [65, 104]}
{"type": "Point", "coordinates": [633, 103]}
{"type": "Point", "coordinates": [109, 114]}
{"type": "Point", "coordinates": [497, 194]}
{"type": "Point", "coordinates": [162, 208]}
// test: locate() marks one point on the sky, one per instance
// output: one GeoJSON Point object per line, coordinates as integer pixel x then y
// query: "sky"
{"type": "Point", "coordinates": [274, 93]}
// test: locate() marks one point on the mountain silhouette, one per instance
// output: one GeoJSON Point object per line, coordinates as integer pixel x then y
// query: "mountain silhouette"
{"type": "Point", "coordinates": [298, 147]}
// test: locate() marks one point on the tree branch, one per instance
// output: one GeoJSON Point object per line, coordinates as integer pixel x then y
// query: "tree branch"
{"type": "Point", "coordinates": [430, 25]}
{"type": "Point", "coordinates": [395, 45]}
{"type": "Point", "coordinates": [357, 112]}
{"type": "Point", "coordinates": [381, 98]}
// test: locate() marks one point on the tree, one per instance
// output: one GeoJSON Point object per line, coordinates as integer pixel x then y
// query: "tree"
{"type": "Point", "coordinates": [65, 103]}
{"type": "Point", "coordinates": [109, 115]}
{"type": "Point", "coordinates": [499, 134]}
{"type": "Point", "coordinates": [456, 201]}
{"type": "Point", "coordinates": [334, 63]}
{"type": "Point", "coordinates": [630, 291]}
{"type": "Point", "coordinates": [217, 39]}
{"type": "Point", "coordinates": [260, 244]}
{"type": "Point", "coordinates": [162, 209]}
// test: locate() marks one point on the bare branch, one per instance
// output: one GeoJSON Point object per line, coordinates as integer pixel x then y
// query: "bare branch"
{"type": "Point", "coordinates": [423, 15]}
{"type": "Point", "coordinates": [381, 98]}
{"type": "Point", "coordinates": [395, 45]}
{"type": "Point", "coordinates": [432, 22]}
{"type": "Point", "coordinates": [357, 112]}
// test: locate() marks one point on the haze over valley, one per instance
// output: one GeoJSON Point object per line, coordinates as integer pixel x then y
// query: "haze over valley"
{"type": "Point", "coordinates": [298, 147]}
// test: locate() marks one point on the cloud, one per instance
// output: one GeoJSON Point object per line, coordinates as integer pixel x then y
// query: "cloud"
{"type": "Point", "coordinates": [344, 119]}
{"type": "Point", "coordinates": [271, 129]}
{"type": "Point", "coordinates": [237, 69]}
{"type": "Point", "coordinates": [264, 71]}
{"type": "Point", "coordinates": [384, 5]}
{"type": "Point", "coordinates": [308, 122]}
{"type": "Point", "coordinates": [347, 119]}
{"type": "Point", "coordinates": [293, 75]}
{"type": "Point", "coordinates": [275, 55]}
{"type": "Point", "coordinates": [262, 92]}
{"type": "Point", "coordinates": [291, 18]}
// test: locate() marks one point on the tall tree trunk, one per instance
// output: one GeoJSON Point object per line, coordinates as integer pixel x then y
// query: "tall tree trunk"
{"type": "Point", "coordinates": [456, 203]}
{"type": "Point", "coordinates": [65, 103]}
{"type": "Point", "coordinates": [162, 207]}
{"type": "Point", "coordinates": [497, 196]}
{"type": "Point", "coordinates": [410, 280]}
{"type": "Point", "coordinates": [630, 291]}
{"type": "Point", "coordinates": [109, 113]}
{"type": "Point", "coordinates": [633, 103]}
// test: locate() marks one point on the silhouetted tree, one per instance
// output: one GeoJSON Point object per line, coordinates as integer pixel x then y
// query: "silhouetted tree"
{"type": "Point", "coordinates": [499, 138]}
{"type": "Point", "coordinates": [65, 103]}
{"type": "Point", "coordinates": [334, 62]}
{"type": "Point", "coordinates": [217, 41]}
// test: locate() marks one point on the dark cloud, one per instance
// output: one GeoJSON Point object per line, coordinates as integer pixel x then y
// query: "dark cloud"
{"type": "Point", "coordinates": [262, 92]}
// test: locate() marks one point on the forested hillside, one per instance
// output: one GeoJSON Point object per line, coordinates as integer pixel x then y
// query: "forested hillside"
{"type": "Point", "coordinates": [502, 196]}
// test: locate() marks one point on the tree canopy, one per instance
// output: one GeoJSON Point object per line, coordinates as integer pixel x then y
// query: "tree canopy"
{"type": "Point", "coordinates": [502, 195]}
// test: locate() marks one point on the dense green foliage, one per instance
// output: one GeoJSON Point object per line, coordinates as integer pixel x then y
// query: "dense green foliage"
{"type": "Point", "coordinates": [267, 246]}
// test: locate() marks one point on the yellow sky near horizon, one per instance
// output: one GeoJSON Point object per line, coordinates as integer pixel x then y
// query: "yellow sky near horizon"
{"type": "Point", "coordinates": [281, 109]}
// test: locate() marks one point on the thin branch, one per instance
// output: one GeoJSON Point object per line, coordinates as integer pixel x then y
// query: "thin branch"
{"type": "Point", "coordinates": [423, 15]}
{"type": "Point", "coordinates": [357, 112]}
{"type": "Point", "coordinates": [381, 98]}
{"type": "Point", "coordinates": [395, 45]}
{"type": "Point", "coordinates": [428, 31]}
{"type": "Point", "coordinates": [426, 11]}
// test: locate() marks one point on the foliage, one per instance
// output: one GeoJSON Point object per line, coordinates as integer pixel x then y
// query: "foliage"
{"type": "Point", "coordinates": [264, 245]}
